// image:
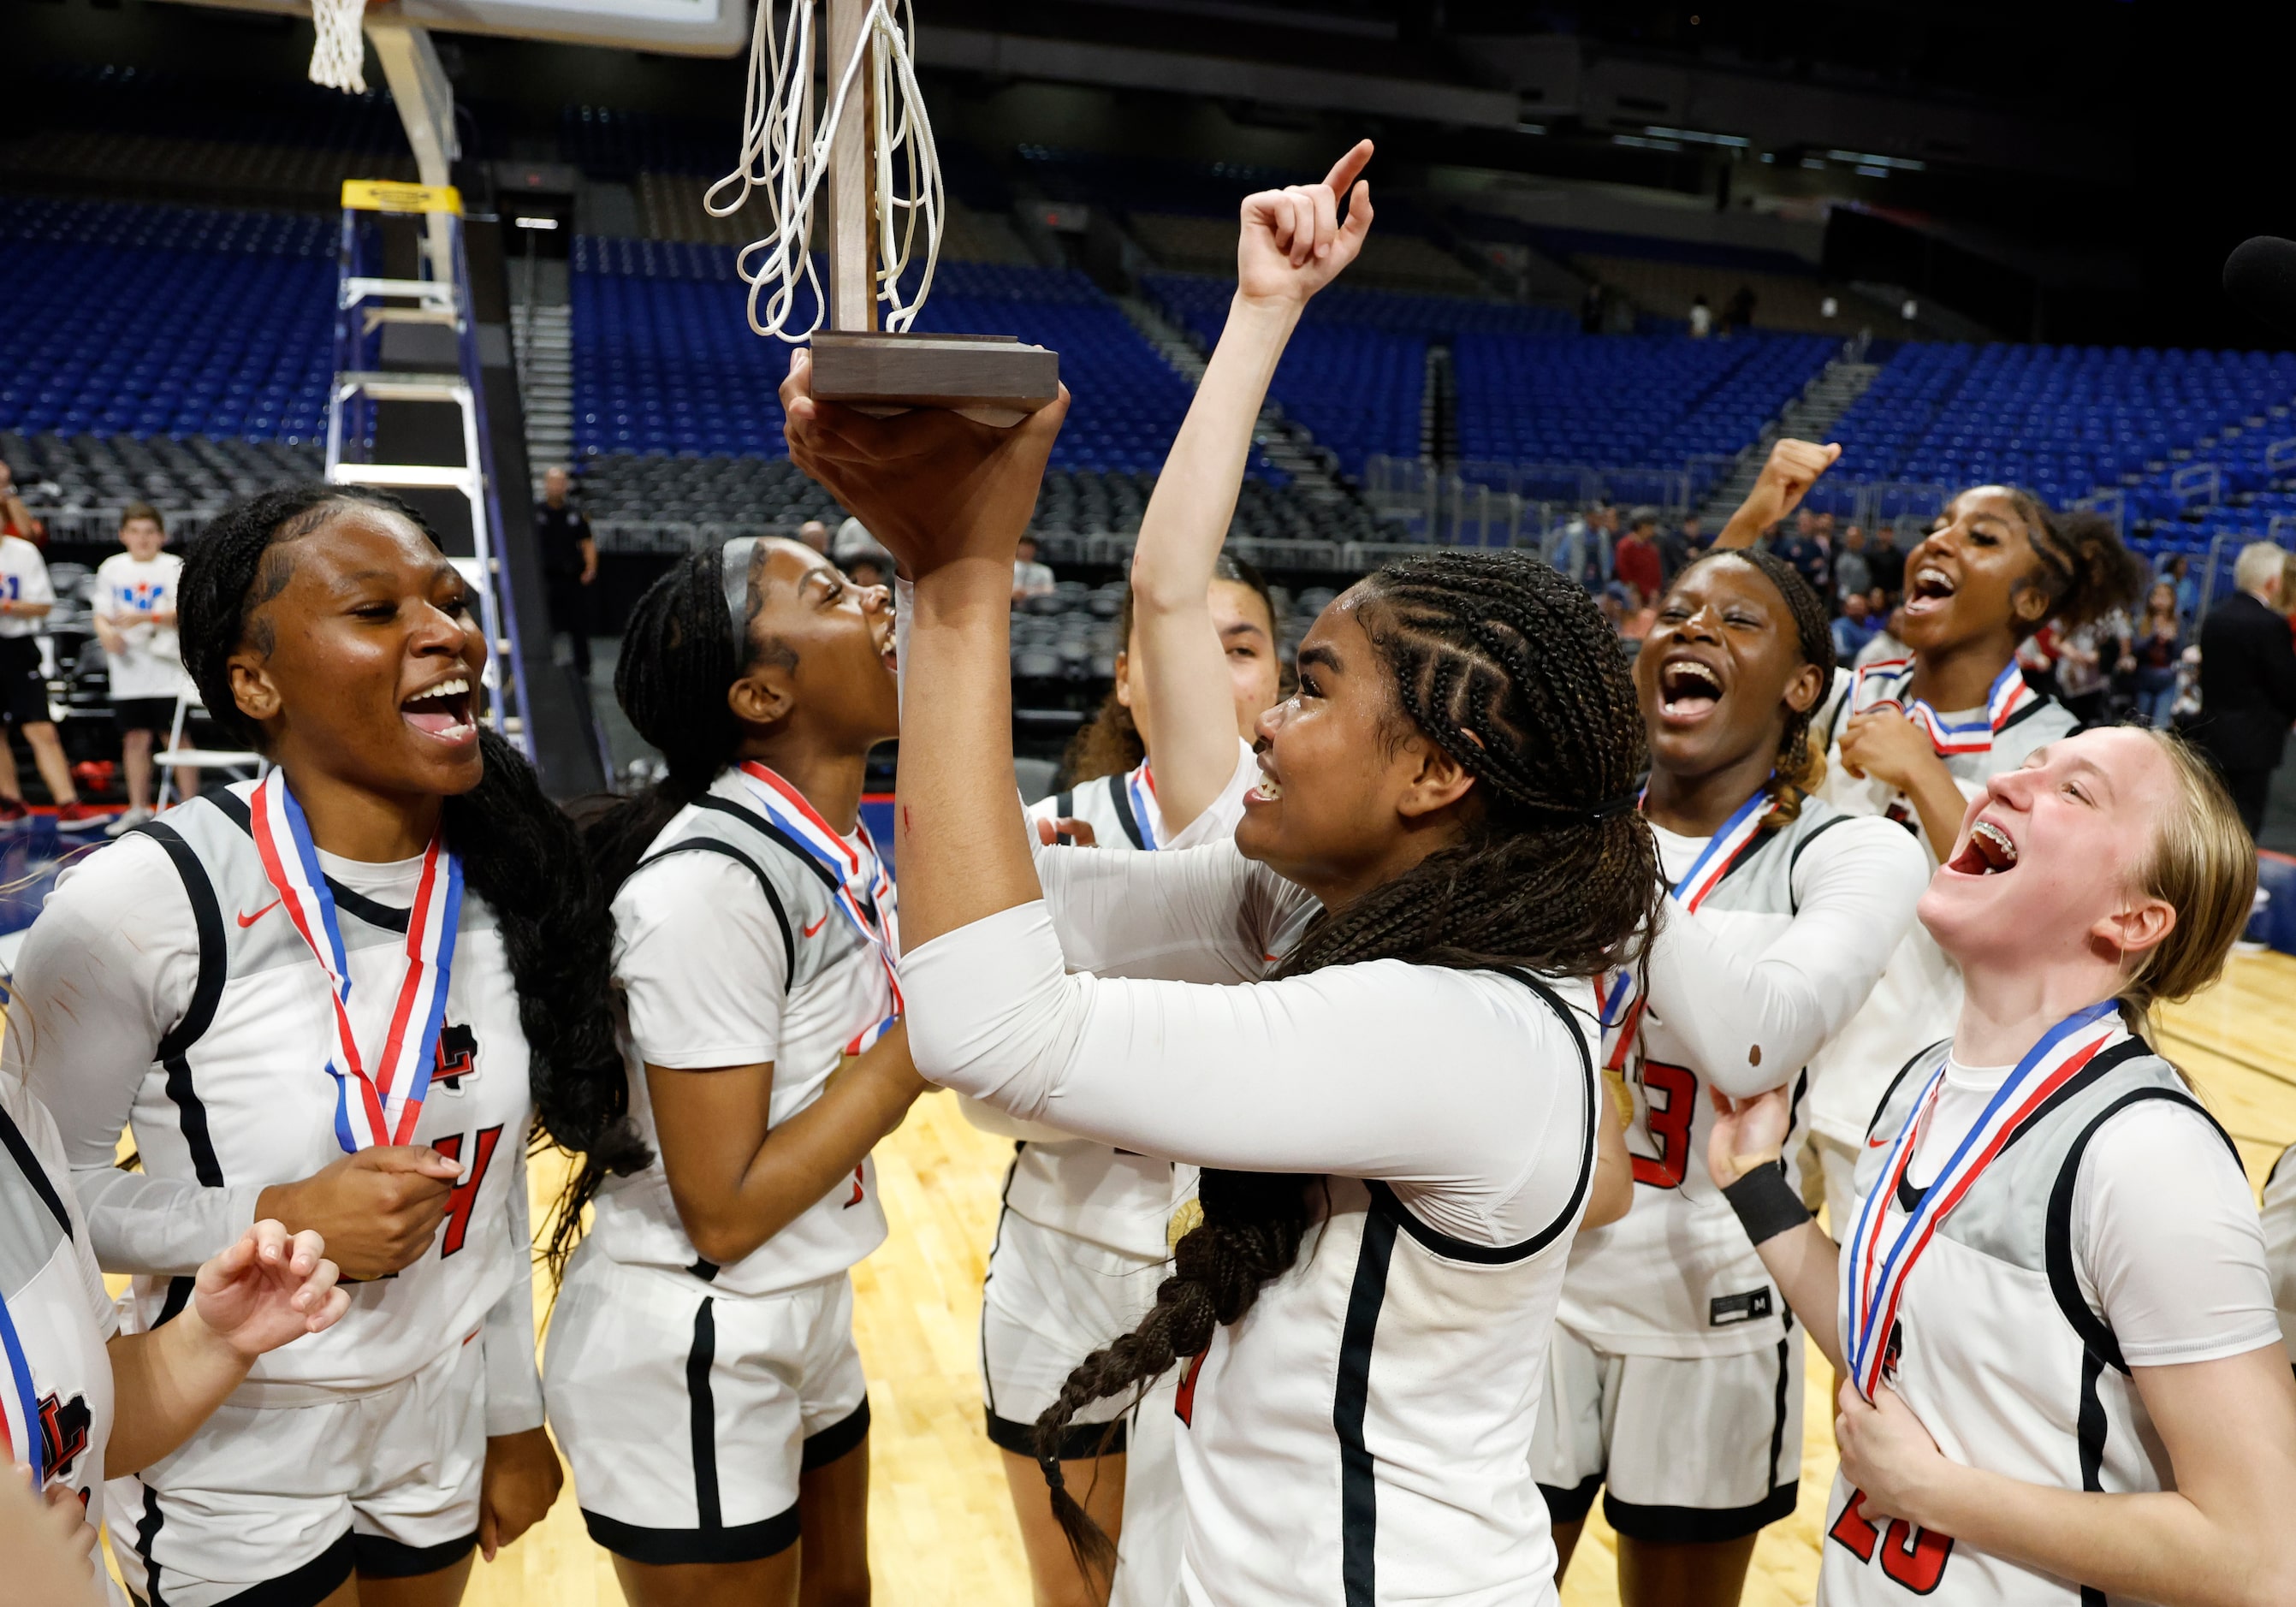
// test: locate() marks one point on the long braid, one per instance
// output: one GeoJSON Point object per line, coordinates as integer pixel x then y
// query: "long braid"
{"type": "Point", "coordinates": [1511, 670]}
{"type": "Point", "coordinates": [519, 852]}
{"type": "Point", "coordinates": [1799, 769]}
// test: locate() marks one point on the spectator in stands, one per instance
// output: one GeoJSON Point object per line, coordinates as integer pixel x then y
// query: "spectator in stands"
{"type": "Point", "coordinates": [2188, 590]}
{"type": "Point", "coordinates": [1030, 578]}
{"type": "Point", "coordinates": [1853, 628]}
{"type": "Point", "coordinates": [2248, 681]}
{"type": "Point", "coordinates": [1887, 563]}
{"type": "Point", "coordinates": [1701, 318]}
{"type": "Point", "coordinates": [135, 620]}
{"type": "Point", "coordinates": [2082, 654]}
{"type": "Point", "coordinates": [15, 519]}
{"type": "Point", "coordinates": [1853, 576]}
{"type": "Point", "coordinates": [815, 533]}
{"type": "Point", "coordinates": [1739, 316]}
{"type": "Point", "coordinates": [1694, 541]}
{"type": "Point", "coordinates": [1674, 549]}
{"type": "Point", "coordinates": [1590, 309]}
{"type": "Point", "coordinates": [1888, 643]}
{"type": "Point", "coordinates": [1635, 561]}
{"type": "Point", "coordinates": [570, 563]}
{"type": "Point", "coordinates": [26, 596]}
{"type": "Point", "coordinates": [2037, 660]}
{"type": "Point", "coordinates": [1806, 552]}
{"type": "Point", "coordinates": [862, 557]}
{"type": "Point", "coordinates": [2153, 653]}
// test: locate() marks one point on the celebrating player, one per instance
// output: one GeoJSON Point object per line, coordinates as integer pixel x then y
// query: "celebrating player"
{"type": "Point", "coordinates": [1914, 738]}
{"type": "Point", "coordinates": [701, 1372]}
{"type": "Point", "coordinates": [1676, 1379]}
{"type": "Point", "coordinates": [338, 998]}
{"type": "Point", "coordinates": [2065, 1379]}
{"type": "Point", "coordinates": [1401, 1125]}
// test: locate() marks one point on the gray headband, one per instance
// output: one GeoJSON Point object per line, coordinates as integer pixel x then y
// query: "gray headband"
{"type": "Point", "coordinates": [736, 561]}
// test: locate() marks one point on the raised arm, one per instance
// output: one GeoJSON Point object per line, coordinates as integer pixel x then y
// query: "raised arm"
{"type": "Point", "coordinates": [1292, 246]}
{"type": "Point", "coordinates": [1792, 469]}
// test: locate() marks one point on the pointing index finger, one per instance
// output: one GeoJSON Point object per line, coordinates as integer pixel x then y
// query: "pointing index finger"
{"type": "Point", "coordinates": [1344, 170]}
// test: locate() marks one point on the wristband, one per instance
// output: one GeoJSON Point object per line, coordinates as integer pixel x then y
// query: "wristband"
{"type": "Point", "coordinates": [1766, 1202]}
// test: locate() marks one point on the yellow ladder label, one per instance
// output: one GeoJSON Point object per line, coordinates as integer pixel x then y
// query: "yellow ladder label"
{"type": "Point", "coordinates": [384, 196]}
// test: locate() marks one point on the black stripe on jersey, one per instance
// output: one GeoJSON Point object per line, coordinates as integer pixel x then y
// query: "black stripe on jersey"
{"type": "Point", "coordinates": [703, 1416]}
{"type": "Point", "coordinates": [710, 845]}
{"type": "Point", "coordinates": [35, 1174]}
{"type": "Point", "coordinates": [840, 1440]}
{"type": "Point", "coordinates": [1891, 1093]}
{"type": "Point", "coordinates": [2278, 1162]}
{"type": "Point", "coordinates": [2064, 1283]}
{"type": "Point", "coordinates": [236, 809]}
{"type": "Point", "coordinates": [1823, 826]}
{"type": "Point", "coordinates": [2091, 1430]}
{"type": "Point", "coordinates": [1120, 796]}
{"type": "Point", "coordinates": [147, 1531]}
{"type": "Point", "coordinates": [1909, 1197]}
{"type": "Point", "coordinates": [1753, 852]}
{"type": "Point", "coordinates": [1350, 1399]}
{"type": "Point", "coordinates": [380, 1557]}
{"type": "Point", "coordinates": [759, 823]}
{"type": "Point", "coordinates": [2032, 707]}
{"type": "Point", "coordinates": [1778, 1423]}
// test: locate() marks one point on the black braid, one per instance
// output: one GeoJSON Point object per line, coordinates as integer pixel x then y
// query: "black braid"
{"type": "Point", "coordinates": [1800, 770]}
{"type": "Point", "coordinates": [1511, 670]}
{"type": "Point", "coordinates": [519, 852]}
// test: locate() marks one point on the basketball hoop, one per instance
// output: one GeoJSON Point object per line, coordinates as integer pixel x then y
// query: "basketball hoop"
{"type": "Point", "coordinates": [339, 52]}
{"type": "Point", "coordinates": [873, 149]}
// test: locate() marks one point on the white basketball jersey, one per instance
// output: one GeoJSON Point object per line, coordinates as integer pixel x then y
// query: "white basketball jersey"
{"type": "Point", "coordinates": [838, 992]}
{"type": "Point", "coordinates": [238, 1093]}
{"type": "Point", "coordinates": [1109, 1196]}
{"type": "Point", "coordinates": [1362, 1435]}
{"type": "Point", "coordinates": [2280, 1242]}
{"type": "Point", "coordinates": [1918, 998]}
{"type": "Point", "coordinates": [1997, 1350]}
{"type": "Point", "coordinates": [1676, 1275]}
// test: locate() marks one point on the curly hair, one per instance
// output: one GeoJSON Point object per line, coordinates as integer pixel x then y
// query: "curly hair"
{"type": "Point", "coordinates": [2083, 571]}
{"type": "Point", "coordinates": [1801, 768]}
{"type": "Point", "coordinates": [519, 850]}
{"type": "Point", "coordinates": [1109, 743]}
{"type": "Point", "coordinates": [1511, 671]}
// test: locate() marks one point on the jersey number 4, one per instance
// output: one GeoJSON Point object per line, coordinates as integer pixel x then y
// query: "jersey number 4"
{"type": "Point", "coordinates": [1915, 1558]}
{"type": "Point", "coordinates": [1669, 1124]}
{"type": "Point", "coordinates": [466, 1193]}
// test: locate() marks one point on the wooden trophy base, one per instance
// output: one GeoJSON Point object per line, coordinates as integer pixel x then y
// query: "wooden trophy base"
{"type": "Point", "coordinates": [996, 378]}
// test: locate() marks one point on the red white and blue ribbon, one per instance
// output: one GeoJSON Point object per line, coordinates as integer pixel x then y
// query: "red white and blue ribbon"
{"type": "Point", "coordinates": [1618, 996]}
{"type": "Point", "coordinates": [20, 1406]}
{"type": "Point", "coordinates": [2009, 694]}
{"type": "Point", "coordinates": [1140, 787]}
{"type": "Point", "coordinates": [1879, 1261]}
{"type": "Point", "coordinates": [865, 891]}
{"type": "Point", "coordinates": [377, 1105]}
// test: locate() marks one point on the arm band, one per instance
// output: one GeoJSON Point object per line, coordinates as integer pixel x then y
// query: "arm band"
{"type": "Point", "coordinates": [1766, 1202]}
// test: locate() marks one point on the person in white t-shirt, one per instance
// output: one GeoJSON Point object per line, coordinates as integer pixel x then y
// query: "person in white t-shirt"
{"type": "Point", "coordinates": [26, 596]}
{"type": "Point", "coordinates": [80, 1400]}
{"type": "Point", "coordinates": [134, 604]}
{"type": "Point", "coordinates": [702, 1375]}
{"type": "Point", "coordinates": [1399, 1128]}
{"type": "Point", "coordinates": [2065, 1378]}
{"type": "Point", "coordinates": [1030, 578]}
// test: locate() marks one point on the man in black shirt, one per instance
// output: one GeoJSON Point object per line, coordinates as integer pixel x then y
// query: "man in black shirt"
{"type": "Point", "coordinates": [1884, 563]}
{"type": "Point", "coordinates": [2248, 681]}
{"type": "Point", "coordinates": [569, 564]}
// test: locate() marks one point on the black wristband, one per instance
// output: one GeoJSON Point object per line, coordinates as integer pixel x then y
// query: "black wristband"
{"type": "Point", "coordinates": [1766, 1202]}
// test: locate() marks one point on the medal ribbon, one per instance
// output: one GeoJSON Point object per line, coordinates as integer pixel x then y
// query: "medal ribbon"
{"type": "Point", "coordinates": [1876, 1273]}
{"type": "Point", "coordinates": [1617, 995]}
{"type": "Point", "coordinates": [2008, 694]}
{"type": "Point", "coordinates": [865, 892]}
{"type": "Point", "coordinates": [383, 1106]}
{"type": "Point", "coordinates": [20, 1407]}
{"type": "Point", "coordinates": [1140, 785]}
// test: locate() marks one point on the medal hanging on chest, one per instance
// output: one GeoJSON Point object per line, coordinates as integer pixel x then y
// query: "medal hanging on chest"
{"type": "Point", "coordinates": [1618, 992]}
{"type": "Point", "coordinates": [862, 890]}
{"type": "Point", "coordinates": [376, 1102]}
{"type": "Point", "coordinates": [1876, 1261]}
{"type": "Point", "coordinates": [1879, 686]}
{"type": "Point", "coordinates": [19, 1405]}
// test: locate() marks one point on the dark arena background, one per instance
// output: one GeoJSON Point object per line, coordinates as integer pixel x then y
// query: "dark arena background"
{"type": "Point", "coordinates": [1620, 251]}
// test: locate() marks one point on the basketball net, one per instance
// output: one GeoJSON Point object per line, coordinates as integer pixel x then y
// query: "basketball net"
{"type": "Point", "coordinates": [778, 159]}
{"type": "Point", "coordinates": [339, 53]}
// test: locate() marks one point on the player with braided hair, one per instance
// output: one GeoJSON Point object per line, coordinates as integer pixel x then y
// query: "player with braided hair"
{"type": "Point", "coordinates": [1399, 1127]}
{"type": "Point", "coordinates": [1915, 738]}
{"type": "Point", "coordinates": [754, 940]}
{"type": "Point", "coordinates": [1674, 1384]}
{"type": "Point", "coordinates": [344, 997]}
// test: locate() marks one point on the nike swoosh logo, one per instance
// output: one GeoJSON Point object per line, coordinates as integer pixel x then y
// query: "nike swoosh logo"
{"type": "Point", "coordinates": [246, 920]}
{"type": "Point", "coordinates": [1876, 1143]}
{"type": "Point", "coordinates": [816, 926]}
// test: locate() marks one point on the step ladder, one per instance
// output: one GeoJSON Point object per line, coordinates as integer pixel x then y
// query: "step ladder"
{"type": "Point", "coordinates": [366, 302]}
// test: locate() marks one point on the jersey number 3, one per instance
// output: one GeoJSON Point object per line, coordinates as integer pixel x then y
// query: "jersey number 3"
{"type": "Point", "coordinates": [466, 1193]}
{"type": "Point", "coordinates": [1915, 1558]}
{"type": "Point", "coordinates": [1669, 1124]}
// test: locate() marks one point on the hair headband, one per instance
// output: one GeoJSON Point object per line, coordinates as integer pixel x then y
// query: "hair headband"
{"type": "Point", "coordinates": [735, 561]}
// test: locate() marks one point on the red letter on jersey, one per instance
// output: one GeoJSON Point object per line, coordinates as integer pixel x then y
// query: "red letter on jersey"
{"type": "Point", "coordinates": [1915, 1558]}
{"type": "Point", "coordinates": [1669, 1124]}
{"type": "Point", "coordinates": [1184, 1404]}
{"type": "Point", "coordinates": [466, 1193]}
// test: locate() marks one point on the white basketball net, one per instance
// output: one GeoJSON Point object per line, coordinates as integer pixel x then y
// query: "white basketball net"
{"type": "Point", "coordinates": [339, 55]}
{"type": "Point", "coordinates": [775, 159]}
